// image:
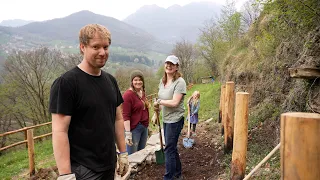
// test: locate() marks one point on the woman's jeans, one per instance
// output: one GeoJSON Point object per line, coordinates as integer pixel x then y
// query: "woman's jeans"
{"type": "Point", "coordinates": [171, 135]}
{"type": "Point", "coordinates": [139, 139]}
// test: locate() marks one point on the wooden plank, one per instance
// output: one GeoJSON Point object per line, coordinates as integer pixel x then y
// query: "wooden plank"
{"type": "Point", "coordinates": [305, 73]}
{"type": "Point", "coordinates": [44, 135]}
{"type": "Point", "coordinates": [24, 129]}
{"type": "Point", "coordinates": [12, 145]}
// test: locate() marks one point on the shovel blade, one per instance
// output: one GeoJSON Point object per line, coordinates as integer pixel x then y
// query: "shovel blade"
{"type": "Point", "coordinates": [160, 158]}
{"type": "Point", "coordinates": [187, 142]}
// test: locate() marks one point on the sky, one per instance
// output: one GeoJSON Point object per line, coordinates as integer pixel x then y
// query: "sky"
{"type": "Point", "coordinates": [41, 10]}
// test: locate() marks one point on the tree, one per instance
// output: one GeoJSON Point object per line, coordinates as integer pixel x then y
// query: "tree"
{"type": "Point", "coordinates": [32, 73]}
{"type": "Point", "coordinates": [250, 11]}
{"type": "Point", "coordinates": [212, 46]}
{"type": "Point", "coordinates": [230, 23]}
{"type": "Point", "coordinates": [184, 50]}
{"type": "Point", "coordinates": [69, 61]}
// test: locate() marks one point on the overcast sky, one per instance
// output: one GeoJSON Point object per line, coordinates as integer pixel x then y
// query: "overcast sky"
{"type": "Point", "coordinates": [40, 10]}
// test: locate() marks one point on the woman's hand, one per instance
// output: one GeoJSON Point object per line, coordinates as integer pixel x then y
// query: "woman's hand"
{"type": "Point", "coordinates": [156, 106]}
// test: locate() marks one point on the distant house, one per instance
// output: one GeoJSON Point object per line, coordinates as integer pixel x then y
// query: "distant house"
{"type": "Point", "coordinates": [207, 79]}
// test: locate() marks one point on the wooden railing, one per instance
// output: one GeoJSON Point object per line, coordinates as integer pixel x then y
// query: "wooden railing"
{"type": "Point", "coordinates": [25, 129]}
{"type": "Point", "coordinates": [29, 138]}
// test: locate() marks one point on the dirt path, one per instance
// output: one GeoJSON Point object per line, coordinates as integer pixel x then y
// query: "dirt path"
{"type": "Point", "coordinates": [203, 161]}
{"type": "Point", "coordinates": [199, 162]}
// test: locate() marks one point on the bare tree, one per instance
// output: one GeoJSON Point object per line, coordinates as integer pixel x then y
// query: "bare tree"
{"type": "Point", "coordinates": [250, 11]}
{"type": "Point", "coordinates": [32, 73]}
{"type": "Point", "coordinates": [184, 50]}
{"type": "Point", "coordinates": [69, 61]}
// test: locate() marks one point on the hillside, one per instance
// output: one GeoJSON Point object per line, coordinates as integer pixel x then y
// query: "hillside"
{"type": "Point", "coordinates": [14, 22]}
{"type": "Point", "coordinates": [64, 32]}
{"type": "Point", "coordinates": [176, 21]}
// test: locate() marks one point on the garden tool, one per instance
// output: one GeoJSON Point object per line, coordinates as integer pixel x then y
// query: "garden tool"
{"type": "Point", "coordinates": [188, 142]}
{"type": "Point", "coordinates": [160, 159]}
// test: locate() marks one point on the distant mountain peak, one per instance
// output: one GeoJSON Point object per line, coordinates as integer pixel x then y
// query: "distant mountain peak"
{"type": "Point", "coordinates": [174, 22]}
{"type": "Point", "coordinates": [152, 7]}
{"type": "Point", "coordinates": [175, 6]}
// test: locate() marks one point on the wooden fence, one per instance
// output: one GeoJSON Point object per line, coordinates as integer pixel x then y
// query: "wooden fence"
{"type": "Point", "coordinates": [25, 130]}
{"type": "Point", "coordinates": [29, 138]}
{"type": "Point", "coordinates": [299, 146]}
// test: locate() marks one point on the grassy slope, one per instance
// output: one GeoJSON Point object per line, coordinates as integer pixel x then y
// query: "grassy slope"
{"type": "Point", "coordinates": [209, 100]}
{"type": "Point", "coordinates": [15, 162]}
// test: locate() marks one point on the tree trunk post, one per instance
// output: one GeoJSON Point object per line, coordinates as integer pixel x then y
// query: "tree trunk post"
{"type": "Point", "coordinates": [222, 107]}
{"type": "Point", "coordinates": [229, 111]}
{"type": "Point", "coordinates": [240, 141]}
{"type": "Point", "coordinates": [26, 137]}
{"type": "Point", "coordinates": [31, 152]}
{"type": "Point", "coordinates": [300, 146]}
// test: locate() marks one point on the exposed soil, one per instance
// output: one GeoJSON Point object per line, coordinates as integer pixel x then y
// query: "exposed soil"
{"type": "Point", "coordinates": [198, 162]}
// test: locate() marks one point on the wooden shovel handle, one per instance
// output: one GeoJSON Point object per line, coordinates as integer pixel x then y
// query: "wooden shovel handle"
{"type": "Point", "coordinates": [188, 134]}
{"type": "Point", "coordinates": [159, 126]}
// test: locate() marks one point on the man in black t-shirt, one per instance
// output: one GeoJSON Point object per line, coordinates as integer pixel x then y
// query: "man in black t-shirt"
{"type": "Point", "coordinates": [86, 115]}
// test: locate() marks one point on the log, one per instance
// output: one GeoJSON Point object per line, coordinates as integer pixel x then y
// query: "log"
{"type": "Point", "coordinates": [31, 152]}
{"type": "Point", "coordinates": [12, 145]}
{"type": "Point", "coordinates": [305, 73]}
{"type": "Point", "coordinates": [300, 146]}
{"type": "Point", "coordinates": [240, 141]}
{"type": "Point", "coordinates": [24, 129]}
{"type": "Point", "coordinates": [221, 106]}
{"type": "Point", "coordinates": [229, 112]}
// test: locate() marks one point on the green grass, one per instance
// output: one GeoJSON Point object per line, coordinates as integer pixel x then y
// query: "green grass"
{"type": "Point", "coordinates": [13, 163]}
{"type": "Point", "coordinates": [209, 100]}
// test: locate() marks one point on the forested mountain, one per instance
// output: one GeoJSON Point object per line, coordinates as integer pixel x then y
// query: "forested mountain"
{"type": "Point", "coordinates": [64, 32]}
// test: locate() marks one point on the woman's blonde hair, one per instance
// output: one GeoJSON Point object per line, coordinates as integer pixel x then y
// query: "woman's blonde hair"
{"type": "Point", "coordinates": [194, 98]}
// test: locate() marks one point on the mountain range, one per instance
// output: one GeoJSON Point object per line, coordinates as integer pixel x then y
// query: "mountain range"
{"type": "Point", "coordinates": [14, 22]}
{"type": "Point", "coordinates": [151, 28]}
{"type": "Point", "coordinates": [175, 22]}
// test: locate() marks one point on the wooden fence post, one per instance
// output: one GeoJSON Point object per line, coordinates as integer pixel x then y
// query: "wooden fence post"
{"type": "Point", "coordinates": [240, 141]}
{"type": "Point", "coordinates": [300, 146]}
{"type": "Point", "coordinates": [31, 151]}
{"type": "Point", "coordinates": [26, 137]}
{"type": "Point", "coordinates": [229, 111]}
{"type": "Point", "coordinates": [222, 107]}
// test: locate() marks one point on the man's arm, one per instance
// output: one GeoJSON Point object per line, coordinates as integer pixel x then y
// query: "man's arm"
{"type": "Point", "coordinates": [60, 142]}
{"type": "Point", "coordinates": [119, 131]}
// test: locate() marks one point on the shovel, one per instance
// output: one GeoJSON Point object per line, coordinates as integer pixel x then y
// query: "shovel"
{"type": "Point", "coordinates": [160, 159]}
{"type": "Point", "coordinates": [188, 142]}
